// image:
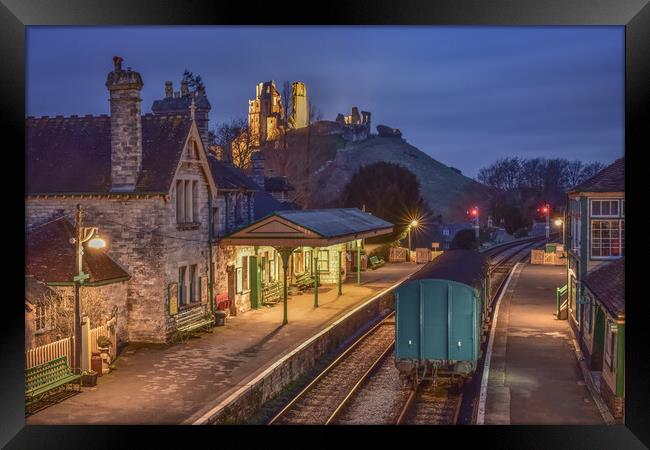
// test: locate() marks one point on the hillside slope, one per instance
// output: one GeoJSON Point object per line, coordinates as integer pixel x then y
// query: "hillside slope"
{"type": "Point", "coordinates": [332, 162]}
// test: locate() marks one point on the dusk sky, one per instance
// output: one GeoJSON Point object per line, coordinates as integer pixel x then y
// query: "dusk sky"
{"type": "Point", "coordinates": [465, 95]}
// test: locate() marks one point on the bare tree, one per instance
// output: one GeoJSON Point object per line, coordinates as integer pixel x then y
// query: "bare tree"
{"type": "Point", "coordinates": [573, 173]}
{"type": "Point", "coordinates": [93, 305]}
{"type": "Point", "coordinates": [591, 169]}
{"type": "Point", "coordinates": [234, 140]}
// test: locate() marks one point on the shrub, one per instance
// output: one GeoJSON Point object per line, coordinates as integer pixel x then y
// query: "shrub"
{"type": "Point", "coordinates": [103, 341]}
{"type": "Point", "coordinates": [464, 239]}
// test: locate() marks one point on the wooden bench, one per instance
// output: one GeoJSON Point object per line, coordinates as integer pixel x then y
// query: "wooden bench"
{"type": "Point", "coordinates": [191, 320]}
{"type": "Point", "coordinates": [50, 376]}
{"type": "Point", "coordinates": [304, 281]}
{"type": "Point", "coordinates": [375, 262]}
{"type": "Point", "coordinates": [271, 293]}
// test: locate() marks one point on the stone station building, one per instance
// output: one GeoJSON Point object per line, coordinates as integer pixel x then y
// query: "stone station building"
{"type": "Point", "coordinates": [145, 181]}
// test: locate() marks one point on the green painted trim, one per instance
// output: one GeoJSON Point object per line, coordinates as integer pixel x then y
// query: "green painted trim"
{"type": "Point", "coordinates": [93, 194]}
{"type": "Point", "coordinates": [210, 262]}
{"type": "Point", "coordinates": [91, 284]}
{"type": "Point", "coordinates": [620, 361]}
{"type": "Point", "coordinates": [585, 238]}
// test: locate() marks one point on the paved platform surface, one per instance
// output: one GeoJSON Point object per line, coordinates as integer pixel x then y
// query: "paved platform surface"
{"type": "Point", "coordinates": [169, 384]}
{"type": "Point", "coordinates": [535, 377]}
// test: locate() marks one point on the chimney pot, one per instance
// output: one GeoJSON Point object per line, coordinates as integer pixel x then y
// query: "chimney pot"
{"type": "Point", "coordinates": [117, 60]}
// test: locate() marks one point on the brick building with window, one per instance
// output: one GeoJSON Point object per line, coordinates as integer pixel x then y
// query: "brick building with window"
{"type": "Point", "coordinates": [595, 243]}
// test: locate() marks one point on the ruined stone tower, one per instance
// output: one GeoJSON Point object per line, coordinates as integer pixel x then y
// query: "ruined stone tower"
{"type": "Point", "coordinates": [124, 87]}
{"type": "Point", "coordinates": [265, 113]}
{"type": "Point", "coordinates": [299, 114]}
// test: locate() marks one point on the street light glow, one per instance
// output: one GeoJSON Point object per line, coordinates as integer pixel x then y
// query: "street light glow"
{"type": "Point", "coordinates": [414, 223]}
{"type": "Point", "coordinates": [97, 242]}
{"type": "Point", "coordinates": [558, 222]}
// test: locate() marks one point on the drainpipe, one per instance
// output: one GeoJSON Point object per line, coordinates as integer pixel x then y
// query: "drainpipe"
{"type": "Point", "coordinates": [210, 264]}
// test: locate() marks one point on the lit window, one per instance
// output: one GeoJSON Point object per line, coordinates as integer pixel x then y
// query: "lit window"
{"type": "Point", "coordinates": [607, 238]}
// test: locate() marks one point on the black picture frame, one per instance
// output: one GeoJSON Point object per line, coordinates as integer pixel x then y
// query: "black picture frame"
{"type": "Point", "coordinates": [15, 15]}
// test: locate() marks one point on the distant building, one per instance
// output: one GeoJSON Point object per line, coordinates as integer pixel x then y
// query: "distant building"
{"type": "Point", "coordinates": [356, 127]}
{"type": "Point", "coordinates": [178, 103]}
{"type": "Point", "coordinates": [266, 115]}
{"type": "Point", "coordinates": [444, 233]}
{"type": "Point", "coordinates": [594, 237]}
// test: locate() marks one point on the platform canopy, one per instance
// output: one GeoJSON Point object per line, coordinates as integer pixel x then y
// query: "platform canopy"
{"type": "Point", "coordinates": [309, 228]}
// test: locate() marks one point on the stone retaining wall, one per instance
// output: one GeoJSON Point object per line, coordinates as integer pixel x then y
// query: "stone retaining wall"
{"type": "Point", "coordinates": [270, 383]}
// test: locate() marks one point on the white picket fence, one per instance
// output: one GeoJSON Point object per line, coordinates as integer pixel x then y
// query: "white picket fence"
{"type": "Point", "coordinates": [65, 347]}
{"type": "Point", "coordinates": [48, 352]}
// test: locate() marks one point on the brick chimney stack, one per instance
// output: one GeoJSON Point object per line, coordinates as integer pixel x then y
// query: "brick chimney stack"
{"type": "Point", "coordinates": [124, 89]}
{"type": "Point", "coordinates": [185, 88]}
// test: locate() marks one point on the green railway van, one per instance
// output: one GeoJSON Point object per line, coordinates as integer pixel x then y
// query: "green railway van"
{"type": "Point", "coordinates": [439, 315]}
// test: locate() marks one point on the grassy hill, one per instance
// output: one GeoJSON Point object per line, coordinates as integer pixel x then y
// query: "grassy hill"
{"type": "Point", "coordinates": [332, 161]}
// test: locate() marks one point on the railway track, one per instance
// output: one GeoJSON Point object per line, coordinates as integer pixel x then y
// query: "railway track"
{"type": "Point", "coordinates": [324, 398]}
{"type": "Point", "coordinates": [433, 403]}
{"type": "Point", "coordinates": [342, 391]}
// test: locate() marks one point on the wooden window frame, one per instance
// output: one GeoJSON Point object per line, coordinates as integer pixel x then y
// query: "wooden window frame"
{"type": "Point", "coordinates": [620, 227]}
{"type": "Point", "coordinates": [320, 261]}
{"type": "Point", "coordinates": [601, 201]}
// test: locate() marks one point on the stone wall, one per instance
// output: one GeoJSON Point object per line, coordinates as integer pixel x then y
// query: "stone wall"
{"type": "Point", "coordinates": [225, 256]}
{"type": "Point", "coordinates": [142, 236]}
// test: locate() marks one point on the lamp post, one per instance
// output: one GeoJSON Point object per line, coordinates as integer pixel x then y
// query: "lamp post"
{"type": "Point", "coordinates": [474, 212]}
{"type": "Point", "coordinates": [546, 210]}
{"type": "Point", "coordinates": [413, 224]}
{"type": "Point", "coordinates": [82, 235]}
{"type": "Point", "coordinates": [560, 223]}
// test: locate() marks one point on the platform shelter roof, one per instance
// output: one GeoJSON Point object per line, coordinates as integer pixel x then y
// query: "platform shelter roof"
{"type": "Point", "coordinates": [310, 228]}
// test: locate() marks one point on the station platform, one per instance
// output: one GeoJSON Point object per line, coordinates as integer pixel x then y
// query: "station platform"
{"type": "Point", "coordinates": [172, 384]}
{"type": "Point", "coordinates": [534, 375]}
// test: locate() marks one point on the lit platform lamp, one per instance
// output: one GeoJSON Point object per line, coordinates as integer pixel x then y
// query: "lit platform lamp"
{"type": "Point", "coordinates": [82, 235]}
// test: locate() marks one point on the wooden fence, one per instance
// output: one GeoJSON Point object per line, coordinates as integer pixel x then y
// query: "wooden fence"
{"type": "Point", "coordinates": [48, 352]}
{"type": "Point", "coordinates": [65, 347]}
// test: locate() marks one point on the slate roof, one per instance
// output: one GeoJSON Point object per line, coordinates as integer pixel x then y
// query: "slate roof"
{"type": "Point", "coordinates": [180, 103]}
{"type": "Point", "coordinates": [277, 184]}
{"type": "Point", "coordinates": [264, 204]}
{"type": "Point", "coordinates": [73, 154]}
{"type": "Point", "coordinates": [229, 177]}
{"type": "Point", "coordinates": [36, 290]}
{"type": "Point", "coordinates": [335, 222]}
{"type": "Point", "coordinates": [463, 266]}
{"type": "Point", "coordinates": [50, 256]}
{"type": "Point", "coordinates": [610, 179]}
{"type": "Point", "coordinates": [607, 283]}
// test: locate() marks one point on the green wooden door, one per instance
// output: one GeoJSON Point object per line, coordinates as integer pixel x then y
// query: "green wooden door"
{"type": "Point", "coordinates": [599, 339]}
{"type": "Point", "coordinates": [255, 281]}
